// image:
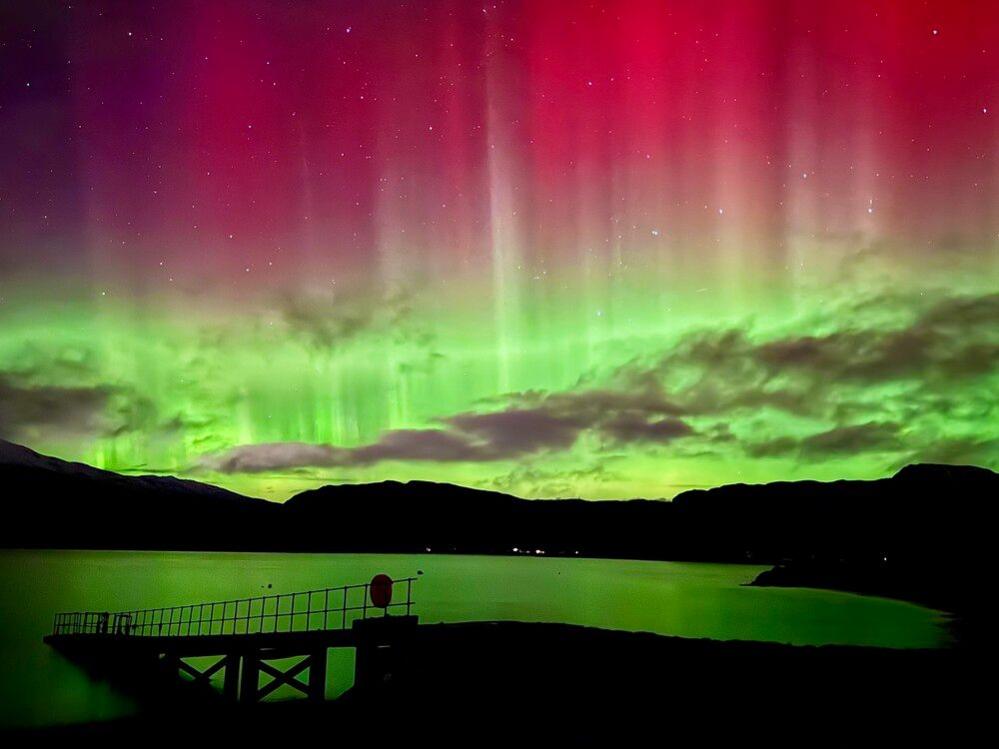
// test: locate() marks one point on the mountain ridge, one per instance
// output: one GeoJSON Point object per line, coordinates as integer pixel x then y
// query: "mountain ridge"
{"type": "Point", "coordinates": [73, 505]}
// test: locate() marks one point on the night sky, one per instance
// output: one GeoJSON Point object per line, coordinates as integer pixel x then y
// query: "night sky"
{"type": "Point", "coordinates": [598, 249]}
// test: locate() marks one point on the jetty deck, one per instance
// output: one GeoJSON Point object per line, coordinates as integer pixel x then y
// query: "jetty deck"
{"type": "Point", "coordinates": [247, 635]}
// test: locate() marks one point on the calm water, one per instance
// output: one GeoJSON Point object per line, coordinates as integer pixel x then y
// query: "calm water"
{"type": "Point", "coordinates": [37, 686]}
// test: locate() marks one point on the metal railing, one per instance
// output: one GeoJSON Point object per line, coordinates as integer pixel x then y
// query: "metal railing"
{"type": "Point", "coordinates": [306, 611]}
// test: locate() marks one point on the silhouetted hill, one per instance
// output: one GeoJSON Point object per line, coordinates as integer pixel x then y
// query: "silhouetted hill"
{"type": "Point", "coordinates": [418, 515]}
{"type": "Point", "coordinates": [52, 503]}
{"type": "Point", "coordinates": [926, 521]}
{"type": "Point", "coordinates": [921, 510]}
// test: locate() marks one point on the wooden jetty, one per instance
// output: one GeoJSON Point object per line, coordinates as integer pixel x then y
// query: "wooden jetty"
{"type": "Point", "coordinates": [246, 636]}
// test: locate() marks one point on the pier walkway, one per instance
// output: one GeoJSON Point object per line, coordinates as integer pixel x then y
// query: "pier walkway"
{"type": "Point", "coordinates": [247, 635]}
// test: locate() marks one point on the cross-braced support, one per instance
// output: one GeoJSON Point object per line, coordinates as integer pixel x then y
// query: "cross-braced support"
{"type": "Point", "coordinates": [242, 684]}
{"type": "Point", "coordinates": [255, 663]}
{"type": "Point", "coordinates": [229, 663]}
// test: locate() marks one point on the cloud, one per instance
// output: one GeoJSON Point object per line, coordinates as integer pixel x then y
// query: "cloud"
{"type": "Point", "coordinates": [847, 390]}
{"type": "Point", "coordinates": [779, 446]}
{"type": "Point", "coordinates": [434, 445]}
{"type": "Point", "coordinates": [66, 410]}
{"type": "Point", "coordinates": [520, 430]}
{"type": "Point", "coordinates": [636, 428]}
{"type": "Point", "coordinates": [957, 337]}
{"type": "Point", "coordinates": [33, 409]}
{"type": "Point", "coordinates": [858, 438]}
{"type": "Point", "coordinates": [886, 360]}
{"type": "Point", "coordinates": [269, 457]}
{"type": "Point", "coordinates": [470, 437]}
{"type": "Point", "coordinates": [328, 319]}
{"type": "Point", "coordinates": [536, 481]}
{"type": "Point", "coordinates": [954, 450]}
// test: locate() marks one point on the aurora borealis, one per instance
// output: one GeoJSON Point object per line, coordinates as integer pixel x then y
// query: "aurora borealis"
{"type": "Point", "coordinates": [598, 249]}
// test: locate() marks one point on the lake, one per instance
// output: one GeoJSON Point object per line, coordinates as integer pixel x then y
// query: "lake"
{"type": "Point", "coordinates": [39, 687]}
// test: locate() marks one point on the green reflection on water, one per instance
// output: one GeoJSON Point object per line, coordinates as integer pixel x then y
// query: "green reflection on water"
{"type": "Point", "coordinates": [39, 687]}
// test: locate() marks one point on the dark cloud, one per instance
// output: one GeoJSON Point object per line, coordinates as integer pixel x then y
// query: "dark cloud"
{"type": "Point", "coordinates": [329, 319]}
{"type": "Point", "coordinates": [646, 397]}
{"type": "Point", "coordinates": [434, 445]}
{"type": "Point", "coordinates": [957, 450]}
{"type": "Point", "coordinates": [858, 438]}
{"type": "Point", "coordinates": [706, 388]}
{"type": "Point", "coordinates": [324, 322]}
{"type": "Point", "coordinates": [520, 430]}
{"type": "Point", "coordinates": [431, 445]}
{"type": "Point", "coordinates": [270, 457]}
{"type": "Point", "coordinates": [956, 337]}
{"type": "Point", "coordinates": [630, 427]}
{"type": "Point", "coordinates": [32, 410]}
{"type": "Point", "coordinates": [68, 410]}
{"type": "Point", "coordinates": [780, 446]}
{"type": "Point", "coordinates": [531, 480]}
{"type": "Point", "coordinates": [506, 434]}
{"type": "Point", "coordinates": [859, 379]}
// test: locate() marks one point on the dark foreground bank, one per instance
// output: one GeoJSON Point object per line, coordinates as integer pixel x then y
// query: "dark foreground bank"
{"type": "Point", "coordinates": [530, 684]}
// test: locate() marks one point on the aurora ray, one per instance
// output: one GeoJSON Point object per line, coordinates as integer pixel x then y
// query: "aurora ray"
{"type": "Point", "coordinates": [600, 249]}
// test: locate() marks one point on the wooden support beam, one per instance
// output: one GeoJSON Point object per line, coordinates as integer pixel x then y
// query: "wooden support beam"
{"type": "Point", "coordinates": [188, 669]}
{"type": "Point", "coordinates": [317, 676]}
{"type": "Point", "coordinates": [202, 676]}
{"type": "Point", "coordinates": [230, 687]}
{"type": "Point", "coordinates": [249, 682]}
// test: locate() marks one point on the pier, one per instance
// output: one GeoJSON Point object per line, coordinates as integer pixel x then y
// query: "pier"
{"type": "Point", "coordinates": [246, 636]}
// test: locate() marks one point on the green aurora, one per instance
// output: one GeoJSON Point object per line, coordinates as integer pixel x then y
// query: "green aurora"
{"type": "Point", "coordinates": [594, 393]}
{"type": "Point", "coordinates": [597, 250]}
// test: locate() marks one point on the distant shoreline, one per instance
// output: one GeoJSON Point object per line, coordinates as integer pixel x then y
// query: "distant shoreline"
{"type": "Point", "coordinates": [963, 626]}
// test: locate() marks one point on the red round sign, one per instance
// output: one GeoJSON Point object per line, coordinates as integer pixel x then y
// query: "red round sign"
{"type": "Point", "coordinates": [380, 590]}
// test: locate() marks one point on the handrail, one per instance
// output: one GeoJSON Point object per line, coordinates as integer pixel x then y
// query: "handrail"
{"type": "Point", "coordinates": [227, 618]}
